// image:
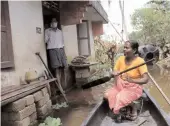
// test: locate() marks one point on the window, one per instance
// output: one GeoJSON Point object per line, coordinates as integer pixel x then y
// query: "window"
{"type": "Point", "coordinates": [83, 39]}
{"type": "Point", "coordinates": [7, 58]}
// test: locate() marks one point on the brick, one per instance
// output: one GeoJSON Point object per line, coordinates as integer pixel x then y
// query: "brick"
{"type": "Point", "coordinates": [4, 116]}
{"type": "Point", "coordinates": [82, 73]}
{"type": "Point", "coordinates": [24, 122]}
{"type": "Point", "coordinates": [29, 100]}
{"type": "Point", "coordinates": [35, 123]}
{"type": "Point", "coordinates": [15, 106]}
{"type": "Point", "coordinates": [44, 91]}
{"type": "Point", "coordinates": [49, 104]}
{"type": "Point", "coordinates": [45, 110]}
{"type": "Point", "coordinates": [43, 101]}
{"type": "Point", "coordinates": [38, 96]}
{"type": "Point", "coordinates": [33, 117]}
{"type": "Point", "coordinates": [42, 111]}
{"type": "Point", "coordinates": [43, 117]}
{"type": "Point", "coordinates": [17, 116]}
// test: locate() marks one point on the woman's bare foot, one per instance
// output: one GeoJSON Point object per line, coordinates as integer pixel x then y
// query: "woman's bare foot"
{"type": "Point", "coordinates": [118, 118]}
{"type": "Point", "coordinates": [134, 109]}
{"type": "Point", "coordinates": [131, 117]}
{"type": "Point", "coordinates": [133, 114]}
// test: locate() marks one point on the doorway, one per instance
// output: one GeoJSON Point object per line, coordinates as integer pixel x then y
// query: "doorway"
{"type": "Point", "coordinates": [50, 10]}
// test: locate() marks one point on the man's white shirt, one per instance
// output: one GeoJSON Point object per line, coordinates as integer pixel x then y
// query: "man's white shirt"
{"type": "Point", "coordinates": [54, 39]}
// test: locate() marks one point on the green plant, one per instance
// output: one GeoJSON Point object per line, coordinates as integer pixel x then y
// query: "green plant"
{"type": "Point", "coordinates": [49, 121]}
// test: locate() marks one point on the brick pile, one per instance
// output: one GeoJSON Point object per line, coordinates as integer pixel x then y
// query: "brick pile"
{"type": "Point", "coordinates": [20, 113]}
{"type": "Point", "coordinates": [26, 111]}
{"type": "Point", "coordinates": [43, 103]}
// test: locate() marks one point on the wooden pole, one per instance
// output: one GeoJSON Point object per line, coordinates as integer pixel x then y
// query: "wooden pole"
{"type": "Point", "coordinates": [166, 98]}
{"type": "Point", "coordinates": [56, 82]}
{"type": "Point", "coordinates": [48, 85]}
{"type": "Point", "coordinates": [136, 66]}
{"type": "Point", "coordinates": [107, 78]}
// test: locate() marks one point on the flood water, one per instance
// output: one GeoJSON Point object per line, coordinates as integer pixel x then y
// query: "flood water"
{"type": "Point", "coordinates": [162, 77]}
{"type": "Point", "coordinates": [84, 101]}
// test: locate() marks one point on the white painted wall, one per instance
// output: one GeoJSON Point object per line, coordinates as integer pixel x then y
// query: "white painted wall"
{"type": "Point", "coordinates": [70, 41]}
{"type": "Point", "coordinates": [25, 16]}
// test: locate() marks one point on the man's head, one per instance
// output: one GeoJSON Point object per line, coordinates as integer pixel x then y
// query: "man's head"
{"type": "Point", "coordinates": [54, 23]}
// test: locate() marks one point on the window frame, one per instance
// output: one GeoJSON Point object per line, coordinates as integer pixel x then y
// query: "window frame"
{"type": "Point", "coordinates": [81, 38]}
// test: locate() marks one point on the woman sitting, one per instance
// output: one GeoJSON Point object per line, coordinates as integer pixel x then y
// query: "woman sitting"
{"type": "Point", "coordinates": [128, 86]}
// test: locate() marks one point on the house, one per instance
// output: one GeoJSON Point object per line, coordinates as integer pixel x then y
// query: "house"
{"type": "Point", "coordinates": [22, 30]}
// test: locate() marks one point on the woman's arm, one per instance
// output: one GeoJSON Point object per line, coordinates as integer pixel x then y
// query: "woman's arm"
{"type": "Point", "coordinates": [115, 75]}
{"type": "Point", "coordinates": [143, 80]}
{"type": "Point", "coordinates": [143, 72]}
{"type": "Point", "coordinates": [116, 69]}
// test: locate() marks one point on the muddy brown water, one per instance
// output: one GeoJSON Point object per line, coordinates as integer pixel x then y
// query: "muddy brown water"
{"type": "Point", "coordinates": [162, 77]}
{"type": "Point", "coordinates": [82, 102]}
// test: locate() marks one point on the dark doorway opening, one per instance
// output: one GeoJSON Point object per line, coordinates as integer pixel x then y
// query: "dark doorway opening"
{"type": "Point", "coordinates": [50, 10]}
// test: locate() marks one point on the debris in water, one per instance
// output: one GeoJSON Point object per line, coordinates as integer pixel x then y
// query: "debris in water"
{"type": "Point", "coordinates": [49, 121]}
{"type": "Point", "coordinates": [58, 106]}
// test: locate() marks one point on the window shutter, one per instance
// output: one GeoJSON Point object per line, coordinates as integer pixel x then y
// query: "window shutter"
{"type": "Point", "coordinates": [83, 39]}
{"type": "Point", "coordinates": [7, 58]}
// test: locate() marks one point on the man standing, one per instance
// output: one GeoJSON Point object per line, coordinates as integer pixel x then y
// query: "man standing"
{"type": "Point", "coordinates": [55, 47]}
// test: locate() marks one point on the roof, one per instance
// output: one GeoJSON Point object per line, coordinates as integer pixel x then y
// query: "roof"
{"type": "Point", "coordinates": [99, 8]}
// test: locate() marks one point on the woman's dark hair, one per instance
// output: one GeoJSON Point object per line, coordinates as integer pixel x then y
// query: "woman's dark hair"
{"type": "Point", "coordinates": [134, 45]}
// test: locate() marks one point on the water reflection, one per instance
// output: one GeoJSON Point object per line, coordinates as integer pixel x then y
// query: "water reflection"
{"type": "Point", "coordinates": [162, 77]}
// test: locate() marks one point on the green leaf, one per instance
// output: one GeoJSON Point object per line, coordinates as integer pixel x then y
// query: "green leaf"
{"type": "Point", "coordinates": [49, 121]}
{"type": "Point", "coordinates": [151, 23]}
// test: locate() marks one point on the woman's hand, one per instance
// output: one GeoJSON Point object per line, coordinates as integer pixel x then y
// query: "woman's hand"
{"type": "Point", "coordinates": [115, 73]}
{"type": "Point", "coordinates": [141, 81]}
{"type": "Point", "coordinates": [128, 79]}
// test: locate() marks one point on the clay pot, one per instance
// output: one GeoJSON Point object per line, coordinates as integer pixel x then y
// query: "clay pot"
{"type": "Point", "coordinates": [31, 75]}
